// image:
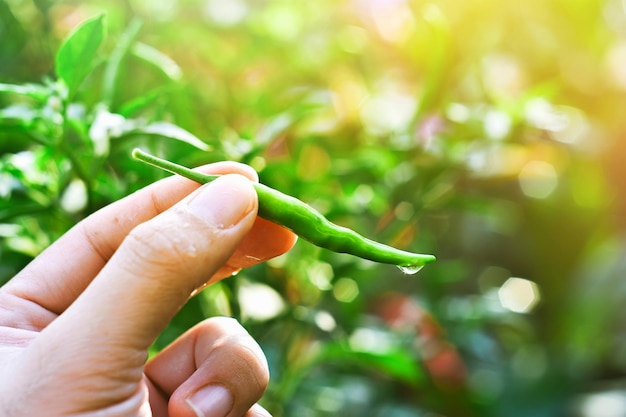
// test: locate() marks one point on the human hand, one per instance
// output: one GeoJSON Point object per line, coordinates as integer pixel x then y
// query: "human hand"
{"type": "Point", "coordinates": [76, 324]}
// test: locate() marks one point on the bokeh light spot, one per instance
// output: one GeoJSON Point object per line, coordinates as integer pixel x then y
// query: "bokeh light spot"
{"type": "Point", "coordinates": [458, 112]}
{"type": "Point", "coordinates": [604, 404]}
{"type": "Point", "coordinates": [226, 12]}
{"type": "Point", "coordinates": [519, 295]}
{"type": "Point", "coordinates": [497, 124]}
{"type": "Point", "coordinates": [283, 22]}
{"type": "Point", "coordinates": [503, 75]}
{"type": "Point", "coordinates": [616, 64]}
{"type": "Point", "coordinates": [325, 321]}
{"type": "Point", "coordinates": [345, 290]}
{"type": "Point", "coordinates": [538, 179]}
{"type": "Point", "coordinates": [370, 340]}
{"type": "Point", "coordinates": [320, 275]}
{"type": "Point", "coordinates": [259, 301]}
{"type": "Point", "coordinates": [389, 111]}
{"type": "Point", "coordinates": [404, 211]}
{"type": "Point", "coordinates": [74, 198]}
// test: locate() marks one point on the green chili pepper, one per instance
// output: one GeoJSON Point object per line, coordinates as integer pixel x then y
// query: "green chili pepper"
{"type": "Point", "coordinates": [306, 222]}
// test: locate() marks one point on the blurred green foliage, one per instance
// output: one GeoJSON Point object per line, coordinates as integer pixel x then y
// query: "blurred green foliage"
{"type": "Point", "coordinates": [488, 133]}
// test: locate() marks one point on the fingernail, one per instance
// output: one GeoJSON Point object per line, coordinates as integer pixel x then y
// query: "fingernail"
{"type": "Point", "coordinates": [211, 401]}
{"type": "Point", "coordinates": [223, 202]}
{"type": "Point", "coordinates": [258, 411]}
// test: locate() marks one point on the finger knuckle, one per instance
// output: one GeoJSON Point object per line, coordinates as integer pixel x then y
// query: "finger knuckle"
{"type": "Point", "coordinates": [167, 245]}
{"type": "Point", "coordinates": [234, 345]}
{"type": "Point", "coordinates": [247, 361]}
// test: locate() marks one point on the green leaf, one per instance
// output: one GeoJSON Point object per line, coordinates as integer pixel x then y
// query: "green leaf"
{"type": "Point", "coordinates": [141, 102]}
{"type": "Point", "coordinates": [167, 65]}
{"type": "Point", "coordinates": [114, 64]}
{"type": "Point", "coordinates": [74, 59]}
{"type": "Point", "coordinates": [14, 38]}
{"type": "Point", "coordinates": [397, 363]}
{"type": "Point", "coordinates": [171, 131]}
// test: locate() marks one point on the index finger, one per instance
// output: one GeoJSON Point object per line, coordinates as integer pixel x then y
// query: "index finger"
{"type": "Point", "coordinates": [61, 273]}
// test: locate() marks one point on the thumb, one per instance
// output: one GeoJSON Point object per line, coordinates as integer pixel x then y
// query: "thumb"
{"type": "Point", "coordinates": [154, 271]}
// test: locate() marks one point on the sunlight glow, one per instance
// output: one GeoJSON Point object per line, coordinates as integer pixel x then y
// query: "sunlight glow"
{"type": "Point", "coordinates": [353, 39]}
{"type": "Point", "coordinates": [393, 19]}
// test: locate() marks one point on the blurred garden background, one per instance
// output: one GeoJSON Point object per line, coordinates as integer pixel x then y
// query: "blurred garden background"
{"type": "Point", "coordinates": [489, 133]}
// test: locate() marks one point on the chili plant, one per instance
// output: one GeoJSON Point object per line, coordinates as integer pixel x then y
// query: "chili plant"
{"type": "Point", "coordinates": [57, 141]}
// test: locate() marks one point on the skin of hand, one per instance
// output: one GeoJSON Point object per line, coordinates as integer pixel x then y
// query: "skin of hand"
{"type": "Point", "coordinates": [76, 323]}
